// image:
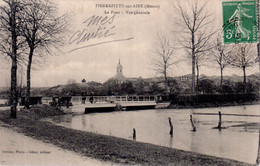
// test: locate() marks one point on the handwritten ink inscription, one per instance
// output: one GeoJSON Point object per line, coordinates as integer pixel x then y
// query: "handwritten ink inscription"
{"type": "Point", "coordinates": [104, 29]}
{"type": "Point", "coordinates": [95, 27]}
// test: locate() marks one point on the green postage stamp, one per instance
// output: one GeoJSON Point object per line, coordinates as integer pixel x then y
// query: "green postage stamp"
{"type": "Point", "coordinates": [239, 21]}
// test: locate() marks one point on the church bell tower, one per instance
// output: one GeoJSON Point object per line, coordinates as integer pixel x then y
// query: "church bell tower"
{"type": "Point", "coordinates": [119, 69]}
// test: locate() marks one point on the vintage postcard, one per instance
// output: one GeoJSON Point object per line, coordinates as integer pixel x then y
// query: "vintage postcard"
{"type": "Point", "coordinates": [129, 82]}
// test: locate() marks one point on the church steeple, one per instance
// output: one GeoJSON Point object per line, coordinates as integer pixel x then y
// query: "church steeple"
{"type": "Point", "coordinates": [119, 77]}
{"type": "Point", "coordinates": [119, 68]}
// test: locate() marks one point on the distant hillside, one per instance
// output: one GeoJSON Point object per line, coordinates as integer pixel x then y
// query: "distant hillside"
{"type": "Point", "coordinates": [234, 78]}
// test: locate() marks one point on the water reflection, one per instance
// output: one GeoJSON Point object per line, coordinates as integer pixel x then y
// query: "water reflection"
{"type": "Point", "coordinates": [171, 141]}
{"type": "Point", "coordinates": [152, 126]}
{"type": "Point", "coordinates": [83, 119]}
{"type": "Point", "coordinates": [194, 144]}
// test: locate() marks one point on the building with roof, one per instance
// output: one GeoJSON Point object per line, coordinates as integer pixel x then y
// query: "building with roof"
{"type": "Point", "coordinates": [119, 78]}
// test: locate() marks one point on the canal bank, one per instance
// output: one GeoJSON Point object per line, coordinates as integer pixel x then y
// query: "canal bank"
{"type": "Point", "coordinates": [108, 148]}
{"type": "Point", "coordinates": [18, 149]}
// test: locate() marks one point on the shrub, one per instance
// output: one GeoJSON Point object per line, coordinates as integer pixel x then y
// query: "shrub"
{"type": "Point", "coordinates": [186, 100]}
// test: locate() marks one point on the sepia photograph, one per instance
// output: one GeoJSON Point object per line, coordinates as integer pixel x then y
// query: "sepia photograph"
{"type": "Point", "coordinates": [129, 82]}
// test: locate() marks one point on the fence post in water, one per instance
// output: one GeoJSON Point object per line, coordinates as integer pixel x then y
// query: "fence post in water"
{"type": "Point", "coordinates": [193, 127]}
{"type": "Point", "coordinates": [219, 122]}
{"type": "Point", "coordinates": [258, 153]}
{"type": "Point", "coordinates": [171, 127]}
{"type": "Point", "coordinates": [134, 134]}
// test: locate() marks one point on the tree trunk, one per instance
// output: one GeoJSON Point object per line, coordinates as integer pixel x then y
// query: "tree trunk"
{"type": "Point", "coordinates": [193, 63]}
{"type": "Point", "coordinates": [221, 79]}
{"type": "Point", "coordinates": [197, 66]}
{"type": "Point", "coordinates": [258, 51]}
{"type": "Point", "coordinates": [166, 83]}
{"type": "Point", "coordinates": [14, 98]}
{"type": "Point", "coordinates": [244, 82]}
{"type": "Point", "coordinates": [28, 88]}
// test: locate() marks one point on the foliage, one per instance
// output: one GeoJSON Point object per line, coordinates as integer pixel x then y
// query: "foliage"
{"type": "Point", "coordinates": [206, 86]}
{"type": "Point", "coordinates": [213, 99]}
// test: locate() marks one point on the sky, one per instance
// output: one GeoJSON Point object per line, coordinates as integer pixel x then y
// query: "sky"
{"type": "Point", "coordinates": [130, 35]}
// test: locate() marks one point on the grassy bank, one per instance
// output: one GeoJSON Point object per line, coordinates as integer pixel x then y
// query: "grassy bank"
{"type": "Point", "coordinates": [102, 147]}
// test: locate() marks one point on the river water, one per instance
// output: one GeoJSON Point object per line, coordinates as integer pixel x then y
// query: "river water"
{"type": "Point", "coordinates": [238, 141]}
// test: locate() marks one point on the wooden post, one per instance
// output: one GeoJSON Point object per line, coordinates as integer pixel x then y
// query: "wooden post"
{"type": "Point", "coordinates": [219, 122]}
{"type": "Point", "coordinates": [193, 126]}
{"type": "Point", "coordinates": [258, 154]}
{"type": "Point", "coordinates": [171, 127]}
{"type": "Point", "coordinates": [134, 134]}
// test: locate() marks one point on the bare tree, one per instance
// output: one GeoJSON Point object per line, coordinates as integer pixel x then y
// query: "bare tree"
{"type": "Point", "coordinates": [194, 22]}
{"type": "Point", "coordinates": [200, 59]}
{"type": "Point", "coordinates": [163, 57]}
{"type": "Point", "coordinates": [10, 44]}
{"type": "Point", "coordinates": [220, 53]}
{"type": "Point", "coordinates": [42, 30]}
{"type": "Point", "coordinates": [243, 57]}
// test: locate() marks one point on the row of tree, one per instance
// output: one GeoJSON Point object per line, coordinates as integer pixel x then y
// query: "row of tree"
{"type": "Point", "coordinates": [28, 28]}
{"type": "Point", "coordinates": [202, 43]}
{"type": "Point", "coordinates": [206, 85]}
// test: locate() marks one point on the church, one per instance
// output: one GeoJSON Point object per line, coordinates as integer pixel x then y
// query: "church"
{"type": "Point", "coordinates": [119, 78]}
